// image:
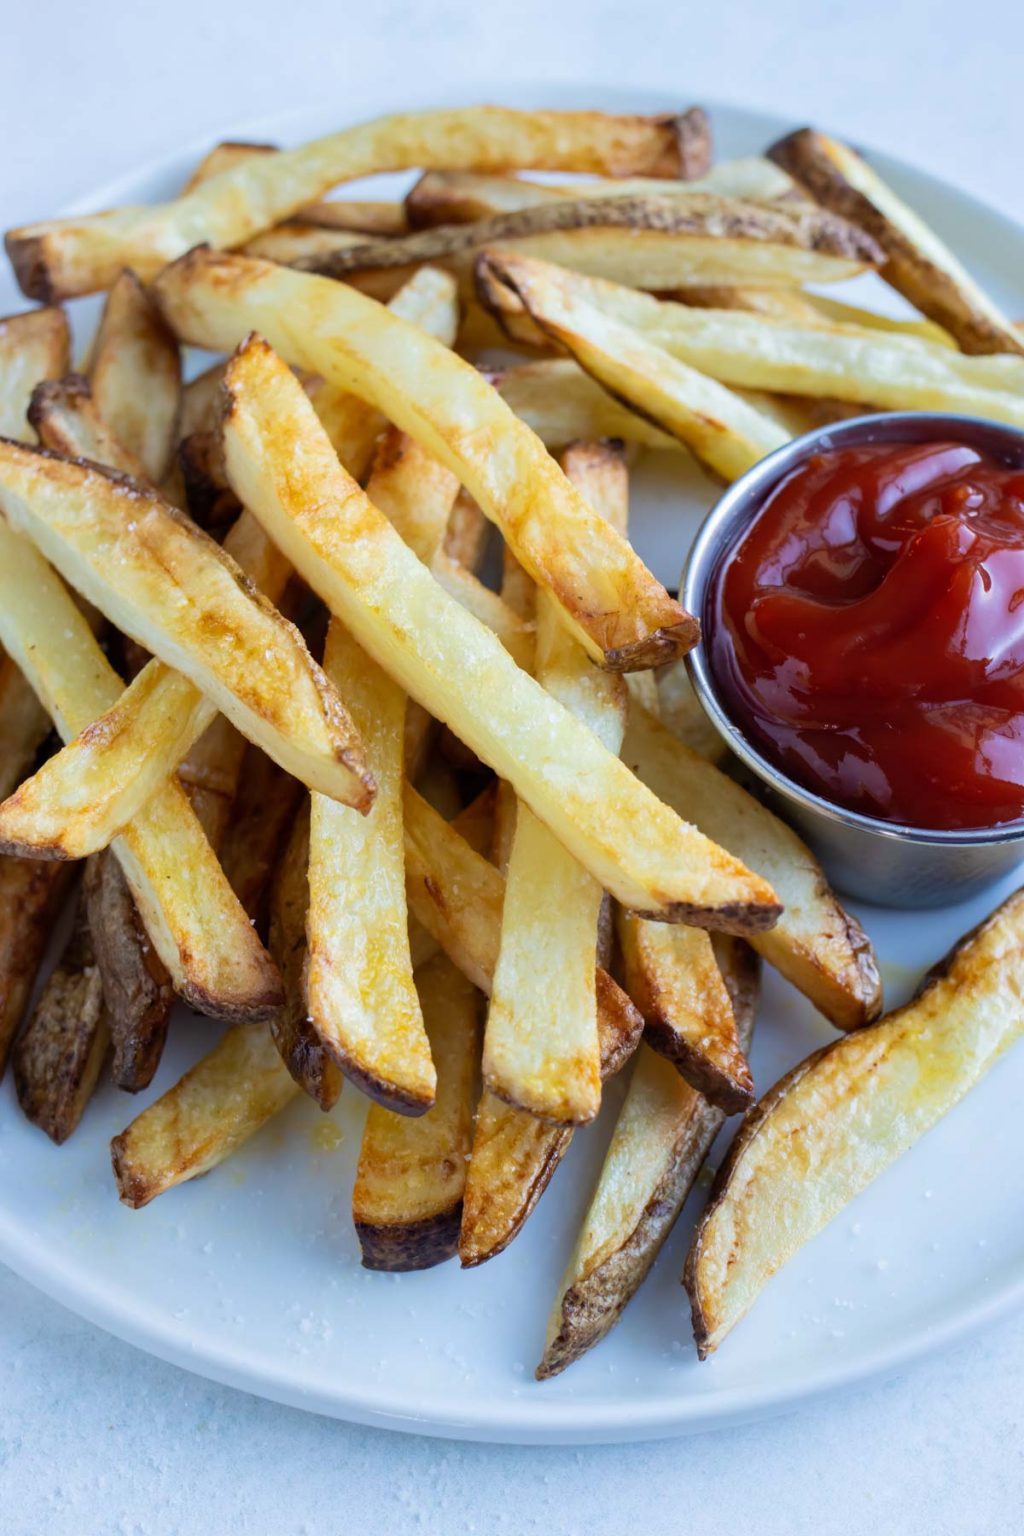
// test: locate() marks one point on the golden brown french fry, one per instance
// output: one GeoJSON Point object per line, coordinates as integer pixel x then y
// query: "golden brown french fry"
{"type": "Point", "coordinates": [57, 1058]}
{"type": "Point", "coordinates": [617, 610]}
{"type": "Point", "coordinates": [31, 894]}
{"type": "Point", "coordinates": [723, 430]}
{"type": "Point", "coordinates": [210, 1112]}
{"type": "Point", "coordinates": [135, 373]}
{"type": "Point", "coordinates": [131, 553]}
{"type": "Point", "coordinates": [541, 1049]}
{"type": "Point", "coordinates": [65, 257]}
{"type": "Point", "coordinates": [680, 710]}
{"type": "Point", "coordinates": [67, 420]}
{"type": "Point", "coordinates": [644, 242]}
{"type": "Point", "coordinates": [195, 922]}
{"type": "Point", "coordinates": [662, 1136]}
{"type": "Point", "coordinates": [362, 1000]}
{"type": "Point", "coordinates": [414, 491]}
{"type": "Point", "coordinates": [840, 362]}
{"type": "Point", "coordinates": [136, 986]}
{"type": "Point", "coordinates": [917, 262]}
{"type": "Point", "coordinates": [834, 1122]}
{"type": "Point", "coordinates": [264, 808]}
{"type": "Point", "coordinates": [350, 555]}
{"type": "Point", "coordinates": [816, 945]}
{"type": "Point", "coordinates": [464, 197]}
{"type": "Point", "coordinates": [302, 1050]}
{"type": "Point", "coordinates": [407, 1200]}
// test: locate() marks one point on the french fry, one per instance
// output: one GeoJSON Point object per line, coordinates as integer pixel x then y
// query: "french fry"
{"type": "Point", "coordinates": [680, 710]}
{"type": "Point", "coordinates": [918, 264]}
{"type": "Point", "coordinates": [617, 610]}
{"type": "Point", "coordinates": [302, 1049]}
{"type": "Point", "coordinates": [362, 1000]}
{"type": "Point", "coordinates": [407, 1200]}
{"type": "Point", "coordinates": [67, 420]}
{"type": "Point", "coordinates": [847, 363]}
{"type": "Point", "coordinates": [193, 919]}
{"type": "Point", "coordinates": [834, 1122]}
{"type": "Point", "coordinates": [33, 346]}
{"type": "Point", "coordinates": [230, 642]}
{"type": "Point", "coordinates": [136, 986]}
{"type": "Point", "coordinates": [541, 1049]}
{"type": "Point", "coordinates": [463, 197]}
{"type": "Point", "coordinates": [816, 945]}
{"type": "Point", "coordinates": [805, 308]}
{"type": "Point", "coordinates": [61, 258]}
{"type": "Point", "coordinates": [563, 405]}
{"type": "Point", "coordinates": [98, 783]}
{"type": "Point", "coordinates": [135, 373]}
{"type": "Point", "coordinates": [662, 1137]}
{"type": "Point", "coordinates": [414, 491]}
{"type": "Point", "coordinates": [264, 808]}
{"type": "Point", "coordinates": [31, 895]}
{"type": "Point", "coordinates": [58, 1056]}
{"type": "Point", "coordinates": [645, 242]}
{"type": "Point", "coordinates": [350, 555]}
{"type": "Point", "coordinates": [723, 430]}
{"type": "Point", "coordinates": [208, 1114]}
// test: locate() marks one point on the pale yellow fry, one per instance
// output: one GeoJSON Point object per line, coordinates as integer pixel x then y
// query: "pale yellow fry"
{"type": "Point", "coordinates": [222, 1101]}
{"type": "Point", "coordinates": [360, 988]}
{"type": "Point", "coordinates": [617, 610]}
{"type": "Point", "coordinates": [837, 1120]}
{"type": "Point", "coordinates": [456, 669]}
{"type": "Point", "coordinates": [135, 373]}
{"type": "Point", "coordinates": [562, 404]}
{"type": "Point", "coordinates": [193, 918]}
{"type": "Point", "coordinates": [64, 257]}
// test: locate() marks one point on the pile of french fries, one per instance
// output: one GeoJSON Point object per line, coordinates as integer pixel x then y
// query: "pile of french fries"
{"type": "Point", "coordinates": [467, 846]}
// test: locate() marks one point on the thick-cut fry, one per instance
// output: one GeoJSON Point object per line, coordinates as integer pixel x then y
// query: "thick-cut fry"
{"type": "Point", "coordinates": [67, 420]}
{"type": "Point", "coordinates": [645, 242]}
{"type": "Point", "coordinates": [136, 985]}
{"type": "Point", "coordinates": [367, 218]}
{"type": "Point", "coordinates": [414, 491]}
{"type": "Point", "coordinates": [302, 1050]}
{"type": "Point", "coordinates": [834, 1122]}
{"type": "Point", "coordinates": [662, 1136]}
{"type": "Point", "coordinates": [463, 197]}
{"type": "Point", "coordinates": [135, 373]}
{"type": "Point", "coordinates": [562, 404]}
{"type": "Point", "coordinates": [64, 257]}
{"type": "Point", "coordinates": [105, 777]}
{"type": "Point", "coordinates": [207, 1115]}
{"type": "Point", "coordinates": [917, 263]}
{"type": "Point", "coordinates": [541, 1047]}
{"type": "Point", "coordinates": [132, 554]}
{"type": "Point", "coordinates": [195, 922]}
{"type": "Point", "coordinates": [682, 712]}
{"type": "Point", "coordinates": [362, 1000]}
{"type": "Point", "coordinates": [805, 308]}
{"type": "Point", "coordinates": [617, 610]}
{"type": "Point", "coordinates": [816, 945]}
{"type": "Point", "coordinates": [57, 1058]}
{"type": "Point", "coordinates": [31, 894]}
{"type": "Point", "coordinates": [723, 430]}
{"type": "Point", "coordinates": [407, 1200]}
{"type": "Point", "coordinates": [672, 976]}
{"type": "Point", "coordinates": [350, 555]}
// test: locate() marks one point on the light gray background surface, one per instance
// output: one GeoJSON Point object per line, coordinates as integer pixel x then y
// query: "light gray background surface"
{"type": "Point", "coordinates": [94, 1436]}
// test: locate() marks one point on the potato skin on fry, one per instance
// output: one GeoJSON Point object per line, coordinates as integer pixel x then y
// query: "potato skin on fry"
{"type": "Point", "coordinates": [838, 1119]}
{"type": "Point", "coordinates": [31, 893]}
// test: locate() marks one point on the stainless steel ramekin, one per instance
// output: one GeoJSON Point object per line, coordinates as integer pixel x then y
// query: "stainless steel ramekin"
{"type": "Point", "coordinates": [878, 861]}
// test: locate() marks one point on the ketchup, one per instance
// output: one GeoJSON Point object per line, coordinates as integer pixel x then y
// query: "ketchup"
{"type": "Point", "coordinates": [867, 632]}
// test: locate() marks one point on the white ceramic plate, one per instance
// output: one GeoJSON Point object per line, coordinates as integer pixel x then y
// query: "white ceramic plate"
{"type": "Point", "coordinates": [251, 1275]}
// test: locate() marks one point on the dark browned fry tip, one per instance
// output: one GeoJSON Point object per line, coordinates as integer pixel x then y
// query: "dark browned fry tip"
{"type": "Point", "coordinates": [693, 143]}
{"type": "Point", "coordinates": [738, 917]}
{"type": "Point", "coordinates": [27, 255]}
{"type": "Point", "coordinates": [691, 1285]}
{"type": "Point", "coordinates": [401, 1101]}
{"type": "Point", "coordinates": [52, 392]}
{"type": "Point", "coordinates": [132, 1190]}
{"type": "Point", "coordinates": [49, 852]}
{"type": "Point", "coordinates": [656, 648]}
{"type": "Point", "coordinates": [730, 1091]}
{"type": "Point", "coordinates": [257, 1008]}
{"type": "Point", "coordinates": [412, 1244]}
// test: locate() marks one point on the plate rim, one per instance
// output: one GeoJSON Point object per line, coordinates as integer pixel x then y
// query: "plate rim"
{"type": "Point", "coordinates": [527, 1420]}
